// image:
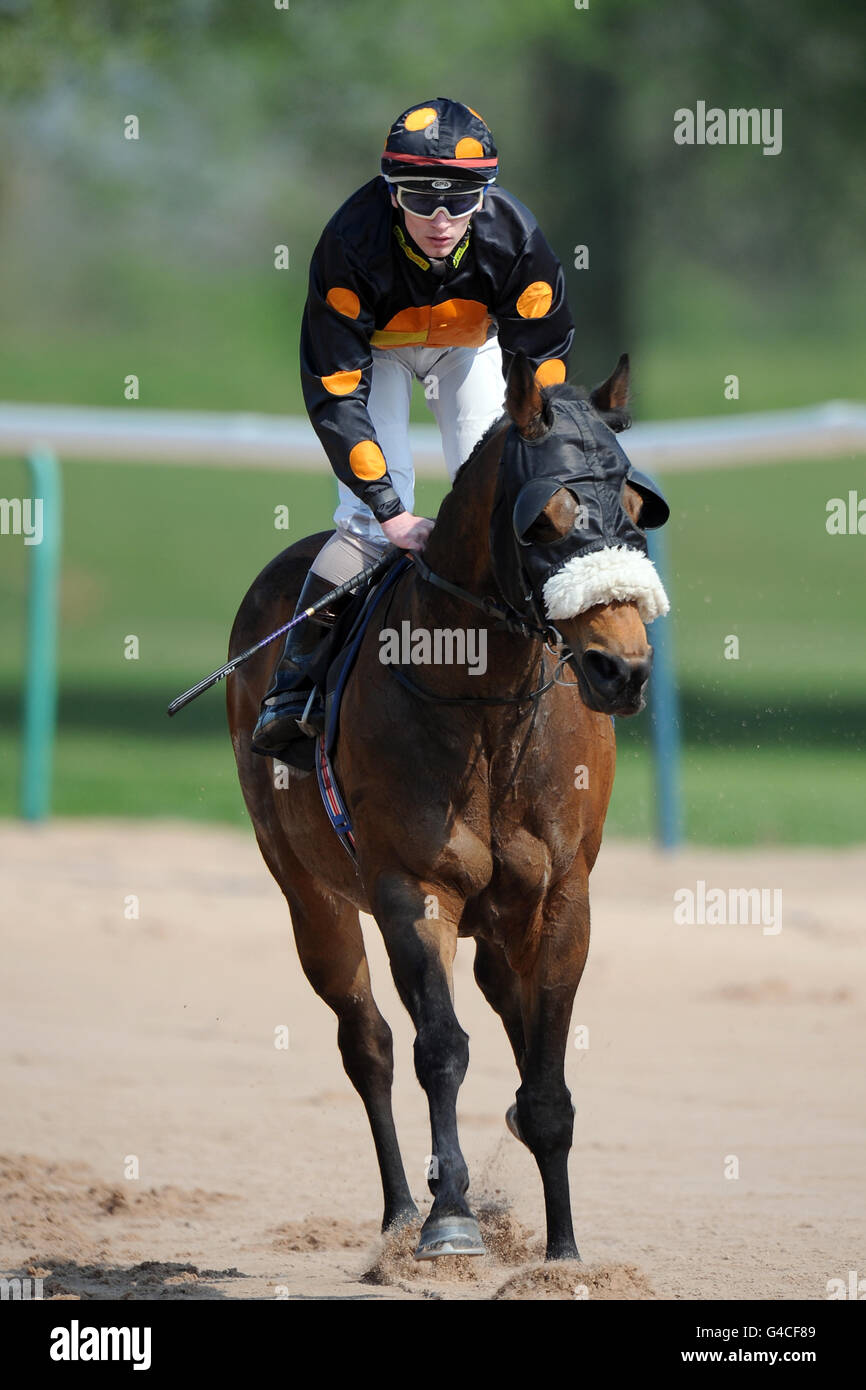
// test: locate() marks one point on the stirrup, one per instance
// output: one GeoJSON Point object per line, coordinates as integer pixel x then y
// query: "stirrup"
{"type": "Point", "coordinates": [304, 723]}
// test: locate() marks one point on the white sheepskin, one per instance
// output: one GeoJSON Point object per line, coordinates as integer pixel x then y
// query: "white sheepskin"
{"type": "Point", "coordinates": [603, 577]}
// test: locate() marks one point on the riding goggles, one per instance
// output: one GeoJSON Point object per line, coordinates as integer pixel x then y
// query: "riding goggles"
{"type": "Point", "coordinates": [425, 204]}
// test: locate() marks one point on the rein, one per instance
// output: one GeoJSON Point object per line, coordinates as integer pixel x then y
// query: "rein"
{"type": "Point", "coordinates": [511, 620]}
{"type": "Point", "coordinates": [508, 616]}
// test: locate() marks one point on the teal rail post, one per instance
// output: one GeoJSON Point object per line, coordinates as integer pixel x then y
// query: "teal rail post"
{"type": "Point", "coordinates": [664, 715]}
{"type": "Point", "coordinates": [40, 681]}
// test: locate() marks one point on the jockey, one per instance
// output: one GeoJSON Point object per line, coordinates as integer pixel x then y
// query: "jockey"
{"type": "Point", "coordinates": [427, 272]}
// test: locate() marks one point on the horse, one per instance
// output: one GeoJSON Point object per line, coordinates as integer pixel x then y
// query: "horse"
{"type": "Point", "coordinates": [478, 800]}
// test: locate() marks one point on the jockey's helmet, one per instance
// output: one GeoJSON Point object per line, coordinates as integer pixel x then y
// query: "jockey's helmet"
{"type": "Point", "coordinates": [440, 145]}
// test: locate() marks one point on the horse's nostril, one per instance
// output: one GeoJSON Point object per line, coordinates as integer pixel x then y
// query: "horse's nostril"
{"type": "Point", "coordinates": [612, 676]}
{"type": "Point", "coordinates": [640, 673]}
{"type": "Point", "coordinates": [606, 672]}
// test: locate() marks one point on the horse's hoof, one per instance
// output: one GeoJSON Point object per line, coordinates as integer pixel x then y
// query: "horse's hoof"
{"type": "Point", "coordinates": [513, 1123]}
{"type": "Point", "coordinates": [449, 1235]}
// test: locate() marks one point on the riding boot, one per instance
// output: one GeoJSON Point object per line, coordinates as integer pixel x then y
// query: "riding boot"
{"type": "Point", "coordinates": [289, 707]}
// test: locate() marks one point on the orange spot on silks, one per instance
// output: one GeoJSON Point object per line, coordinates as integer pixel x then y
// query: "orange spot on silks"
{"type": "Point", "coordinates": [367, 461]}
{"type": "Point", "coordinates": [416, 319]}
{"type": "Point", "coordinates": [344, 301]}
{"type": "Point", "coordinates": [454, 323]}
{"type": "Point", "coordinates": [467, 148]}
{"type": "Point", "coordinates": [475, 113]}
{"type": "Point", "coordinates": [420, 118]}
{"type": "Point", "coordinates": [535, 300]}
{"type": "Point", "coordinates": [341, 383]}
{"type": "Point", "coordinates": [408, 328]}
{"type": "Point", "coordinates": [458, 323]}
{"type": "Point", "coordinates": [551, 372]}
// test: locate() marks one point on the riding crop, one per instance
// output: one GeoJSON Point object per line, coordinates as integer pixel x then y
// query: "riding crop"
{"type": "Point", "coordinates": [365, 576]}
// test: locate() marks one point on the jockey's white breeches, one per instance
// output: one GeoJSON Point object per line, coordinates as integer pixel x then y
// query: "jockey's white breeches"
{"type": "Point", "coordinates": [465, 390]}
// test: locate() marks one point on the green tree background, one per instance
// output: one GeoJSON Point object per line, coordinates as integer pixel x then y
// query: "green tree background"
{"type": "Point", "coordinates": [256, 123]}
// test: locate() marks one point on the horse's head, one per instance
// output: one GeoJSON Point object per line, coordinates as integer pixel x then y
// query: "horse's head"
{"type": "Point", "coordinates": [568, 532]}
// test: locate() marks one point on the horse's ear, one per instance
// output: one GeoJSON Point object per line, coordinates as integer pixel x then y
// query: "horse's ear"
{"type": "Point", "coordinates": [523, 400]}
{"type": "Point", "coordinates": [612, 395]}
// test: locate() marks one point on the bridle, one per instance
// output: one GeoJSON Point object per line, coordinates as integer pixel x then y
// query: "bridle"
{"type": "Point", "coordinates": [520, 495]}
{"type": "Point", "coordinates": [504, 613]}
{"type": "Point", "coordinates": [506, 617]}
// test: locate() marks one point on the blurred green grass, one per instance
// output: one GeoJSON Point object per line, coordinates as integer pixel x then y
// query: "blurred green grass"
{"type": "Point", "coordinates": [698, 326]}
{"type": "Point", "coordinates": [773, 742]}
{"type": "Point", "coordinates": [200, 341]}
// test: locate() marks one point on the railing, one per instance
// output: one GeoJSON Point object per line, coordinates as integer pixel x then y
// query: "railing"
{"type": "Point", "coordinates": [42, 433]}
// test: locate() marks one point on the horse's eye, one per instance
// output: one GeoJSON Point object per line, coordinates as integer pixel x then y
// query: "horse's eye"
{"type": "Point", "coordinates": [542, 532]}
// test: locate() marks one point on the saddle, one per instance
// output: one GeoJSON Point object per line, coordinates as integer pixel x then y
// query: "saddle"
{"type": "Point", "coordinates": [332, 663]}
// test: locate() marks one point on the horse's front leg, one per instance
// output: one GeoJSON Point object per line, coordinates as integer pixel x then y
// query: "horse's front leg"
{"type": "Point", "coordinates": [545, 1114]}
{"type": "Point", "coordinates": [419, 925]}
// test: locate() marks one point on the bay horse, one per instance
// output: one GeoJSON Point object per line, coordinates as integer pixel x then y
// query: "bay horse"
{"type": "Point", "coordinates": [490, 810]}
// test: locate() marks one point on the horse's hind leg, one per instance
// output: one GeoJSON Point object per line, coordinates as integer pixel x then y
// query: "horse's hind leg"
{"type": "Point", "coordinates": [331, 950]}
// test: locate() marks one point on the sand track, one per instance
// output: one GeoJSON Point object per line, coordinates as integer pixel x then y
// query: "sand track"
{"type": "Point", "coordinates": [151, 1040]}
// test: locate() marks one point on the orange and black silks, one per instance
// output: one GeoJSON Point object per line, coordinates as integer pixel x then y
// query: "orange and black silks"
{"type": "Point", "coordinates": [371, 286]}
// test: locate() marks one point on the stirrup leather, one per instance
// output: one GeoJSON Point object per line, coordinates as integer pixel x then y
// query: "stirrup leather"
{"type": "Point", "coordinates": [304, 723]}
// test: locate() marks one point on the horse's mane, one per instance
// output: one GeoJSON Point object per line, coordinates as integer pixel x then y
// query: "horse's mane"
{"type": "Point", "coordinates": [616, 418]}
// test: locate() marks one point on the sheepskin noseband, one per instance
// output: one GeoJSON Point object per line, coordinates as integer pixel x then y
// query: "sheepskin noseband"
{"type": "Point", "coordinates": [604, 557]}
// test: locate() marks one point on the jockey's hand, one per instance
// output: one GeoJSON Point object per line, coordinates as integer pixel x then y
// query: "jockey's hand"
{"type": "Point", "coordinates": [407, 531]}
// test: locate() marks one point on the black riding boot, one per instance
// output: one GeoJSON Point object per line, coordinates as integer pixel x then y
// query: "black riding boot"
{"type": "Point", "coordinates": [289, 695]}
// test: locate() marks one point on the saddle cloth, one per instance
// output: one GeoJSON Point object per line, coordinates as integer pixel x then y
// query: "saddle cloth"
{"type": "Point", "coordinates": [339, 659]}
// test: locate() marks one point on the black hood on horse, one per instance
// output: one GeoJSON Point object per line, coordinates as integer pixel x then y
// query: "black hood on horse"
{"type": "Point", "coordinates": [604, 555]}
